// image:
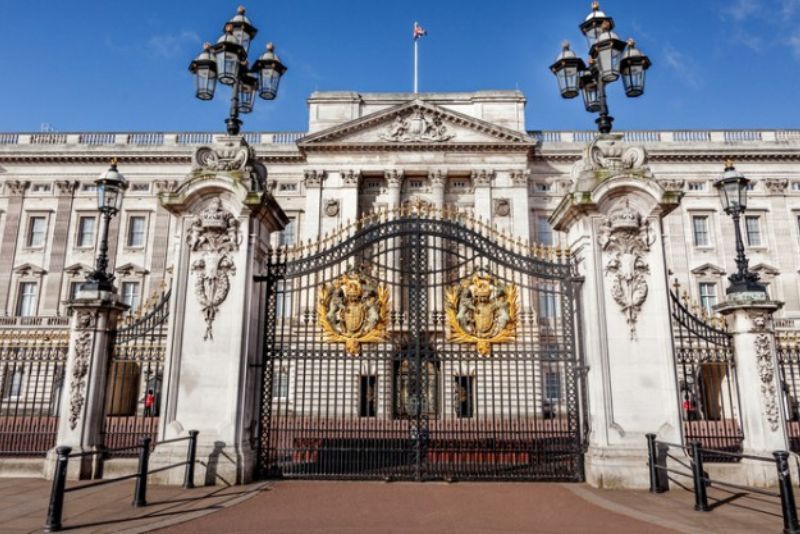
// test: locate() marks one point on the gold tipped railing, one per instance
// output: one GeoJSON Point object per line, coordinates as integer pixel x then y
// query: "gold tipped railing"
{"type": "Point", "coordinates": [713, 320]}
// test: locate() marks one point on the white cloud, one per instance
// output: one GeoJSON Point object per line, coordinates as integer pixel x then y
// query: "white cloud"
{"type": "Point", "coordinates": [684, 66]}
{"type": "Point", "coordinates": [794, 44]}
{"type": "Point", "coordinates": [171, 45]}
{"type": "Point", "coordinates": [741, 9]}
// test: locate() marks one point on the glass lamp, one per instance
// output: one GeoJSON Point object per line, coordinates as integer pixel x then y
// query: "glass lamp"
{"type": "Point", "coordinates": [593, 25]}
{"type": "Point", "coordinates": [229, 54]}
{"type": "Point", "coordinates": [111, 186]}
{"type": "Point", "coordinates": [204, 68]}
{"type": "Point", "coordinates": [607, 51]}
{"type": "Point", "coordinates": [732, 188]}
{"type": "Point", "coordinates": [269, 70]}
{"type": "Point", "coordinates": [633, 66]}
{"type": "Point", "coordinates": [241, 29]}
{"type": "Point", "coordinates": [567, 69]}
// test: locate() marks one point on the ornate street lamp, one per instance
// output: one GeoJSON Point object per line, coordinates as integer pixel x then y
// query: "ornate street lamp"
{"type": "Point", "coordinates": [226, 62]}
{"type": "Point", "coordinates": [732, 188]}
{"type": "Point", "coordinates": [610, 59]}
{"type": "Point", "coordinates": [111, 186]}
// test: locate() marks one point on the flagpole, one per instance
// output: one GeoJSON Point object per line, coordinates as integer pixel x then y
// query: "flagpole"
{"type": "Point", "coordinates": [416, 66]}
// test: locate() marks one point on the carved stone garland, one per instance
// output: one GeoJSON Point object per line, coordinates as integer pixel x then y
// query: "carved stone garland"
{"type": "Point", "coordinates": [626, 238]}
{"type": "Point", "coordinates": [766, 372]}
{"type": "Point", "coordinates": [417, 128]}
{"type": "Point", "coordinates": [80, 368]}
{"type": "Point", "coordinates": [213, 234]}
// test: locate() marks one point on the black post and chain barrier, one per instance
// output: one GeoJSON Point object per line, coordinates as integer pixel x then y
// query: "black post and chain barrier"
{"type": "Point", "coordinates": [790, 522]}
{"type": "Point", "coordinates": [698, 476]}
{"type": "Point", "coordinates": [55, 510]}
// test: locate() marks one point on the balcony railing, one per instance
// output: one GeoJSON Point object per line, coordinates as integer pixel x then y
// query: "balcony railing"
{"type": "Point", "coordinates": [48, 320]}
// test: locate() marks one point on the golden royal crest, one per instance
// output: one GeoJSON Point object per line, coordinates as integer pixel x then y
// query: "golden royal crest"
{"type": "Point", "coordinates": [482, 310]}
{"type": "Point", "coordinates": [353, 310]}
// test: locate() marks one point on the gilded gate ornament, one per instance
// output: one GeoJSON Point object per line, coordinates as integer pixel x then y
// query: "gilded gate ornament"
{"type": "Point", "coordinates": [352, 310]}
{"type": "Point", "coordinates": [482, 310]}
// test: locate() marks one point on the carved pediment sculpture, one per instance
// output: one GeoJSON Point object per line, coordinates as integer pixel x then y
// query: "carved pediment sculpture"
{"type": "Point", "coordinates": [419, 127]}
{"type": "Point", "coordinates": [213, 235]}
{"type": "Point", "coordinates": [353, 309]}
{"type": "Point", "coordinates": [482, 310]}
{"type": "Point", "coordinates": [607, 156]}
{"type": "Point", "coordinates": [626, 237]}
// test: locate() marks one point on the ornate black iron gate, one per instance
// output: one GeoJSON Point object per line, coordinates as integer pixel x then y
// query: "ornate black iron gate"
{"type": "Point", "coordinates": [421, 345]}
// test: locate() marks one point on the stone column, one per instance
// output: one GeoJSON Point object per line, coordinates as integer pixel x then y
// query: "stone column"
{"type": "Point", "coordinates": [751, 326]}
{"type": "Point", "coordinates": [313, 213]}
{"type": "Point", "coordinates": [520, 205]}
{"type": "Point", "coordinates": [93, 321]}
{"type": "Point", "coordinates": [437, 179]}
{"type": "Point", "coordinates": [394, 181]}
{"type": "Point", "coordinates": [224, 218]}
{"type": "Point", "coordinates": [8, 247]}
{"type": "Point", "coordinates": [482, 185]}
{"type": "Point", "coordinates": [613, 222]}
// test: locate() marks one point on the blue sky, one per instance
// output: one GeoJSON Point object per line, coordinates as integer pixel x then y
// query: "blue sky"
{"type": "Point", "coordinates": [122, 66]}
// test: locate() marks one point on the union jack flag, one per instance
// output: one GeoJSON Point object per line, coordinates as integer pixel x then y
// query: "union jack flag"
{"type": "Point", "coordinates": [419, 31]}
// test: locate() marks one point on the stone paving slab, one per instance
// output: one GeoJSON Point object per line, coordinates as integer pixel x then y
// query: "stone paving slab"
{"type": "Point", "coordinates": [107, 508]}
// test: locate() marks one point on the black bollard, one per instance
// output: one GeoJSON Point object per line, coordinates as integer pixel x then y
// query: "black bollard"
{"type": "Point", "coordinates": [700, 496]}
{"type": "Point", "coordinates": [56, 508]}
{"type": "Point", "coordinates": [790, 524]}
{"type": "Point", "coordinates": [651, 462]}
{"type": "Point", "coordinates": [140, 493]}
{"type": "Point", "coordinates": [188, 479]}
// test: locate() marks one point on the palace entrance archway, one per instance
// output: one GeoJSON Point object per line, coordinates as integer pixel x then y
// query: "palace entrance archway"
{"type": "Point", "coordinates": [419, 344]}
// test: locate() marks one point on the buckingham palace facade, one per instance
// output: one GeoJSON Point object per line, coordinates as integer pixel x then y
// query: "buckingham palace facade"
{"type": "Point", "coordinates": [390, 203]}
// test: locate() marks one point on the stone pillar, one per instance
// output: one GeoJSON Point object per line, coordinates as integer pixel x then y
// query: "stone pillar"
{"type": "Point", "coordinates": [349, 198]}
{"type": "Point", "coordinates": [520, 205]}
{"type": "Point", "coordinates": [313, 213]}
{"type": "Point", "coordinates": [58, 252]}
{"type": "Point", "coordinates": [437, 179]}
{"type": "Point", "coordinates": [93, 321]}
{"type": "Point", "coordinates": [482, 185]}
{"type": "Point", "coordinates": [612, 218]}
{"type": "Point", "coordinates": [751, 326]}
{"type": "Point", "coordinates": [394, 181]}
{"type": "Point", "coordinates": [224, 218]}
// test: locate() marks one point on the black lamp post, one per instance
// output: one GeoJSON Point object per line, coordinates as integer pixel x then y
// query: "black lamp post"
{"type": "Point", "coordinates": [732, 188]}
{"type": "Point", "coordinates": [227, 62]}
{"type": "Point", "coordinates": [610, 58]}
{"type": "Point", "coordinates": [111, 186]}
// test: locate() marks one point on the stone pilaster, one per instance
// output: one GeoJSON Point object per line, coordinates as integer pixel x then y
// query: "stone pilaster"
{"type": "Point", "coordinates": [8, 248]}
{"type": "Point", "coordinates": [613, 220]}
{"type": "Point", "coordinates": [58, 254]}
{"type": "Point", "coordinates": [482, 185]}
{"type": "Point", "coordinates": [93, 321]}
{"type": "Point", "coordinates": [520, 205]}
{"type": "Point", "coordinates": [349, 195]}
{"type": "Point", "coordinates": [313, 213]}
{"type": "Point", "coordinates": [158, 263]}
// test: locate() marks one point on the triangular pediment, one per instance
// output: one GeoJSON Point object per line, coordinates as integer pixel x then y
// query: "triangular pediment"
{"type": "Point", "coordinates": [416, 124]}
{"type": "Point", "coordinates": [764, 269]}
{"type": "Point", "coordinates": [130, 268]}
{"type": "Point", "coordinates": [28, 269]}
{"type": "Point", "coordinates": [708, 269]}
{"type": "Point", "coordinates": [78, 269]}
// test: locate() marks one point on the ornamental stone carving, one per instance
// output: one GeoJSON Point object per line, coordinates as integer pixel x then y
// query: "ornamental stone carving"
{"type": "Point", "coordinates": [766, 372]}
{"type": "Point", "coordinates": [394, 177]}
{"type": "Point", "coordinates": [626, 239]}
{"type": "Point", "coordinates": [66, 187]}
{"type": "Point", "coordinates": [420, 127]}
{"type": "Point", "coordinates": [332, 207]}
{"type": "Point", "coordinates": [776, 186]}
{"type": "Point", "coordinates": [313, 178]}
{"type": "Point", "coordinates": [231, 154]}
{"type": "Point", "coordinates": [482, 178]}
{"type": "Point", "coordinates": [353, 310]}
{"type": "Point", "coordinates": [351, 178]}
{"type": "Point", "coordinates": [608, 156]}
{"type": "Point", "coordinates": [80, 367]}
{"type": "Point", "coordinates": [213, 235]}
{"type": "Point", "coordinates": [502, 207]}
{"type": "Point", "coordinates": [166, 186]}
{"type": "Point", "coordinates": [437, 177]}
{"type": "Point", "coordinates": [16, 187]}
{"type": "Point", "coordinates": [520, 178]}
{"type": "Point", "coordinates": [672, 184]}
{"type": "Point", "coordinates": [482, 310]}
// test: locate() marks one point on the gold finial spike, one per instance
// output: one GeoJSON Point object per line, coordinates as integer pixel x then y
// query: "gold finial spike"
{"type": "Point", "coordinates": [631, 42]}
{"type": "Point", "coordinates": [595, 6]}
{"type": "Point", "coordinates": [729, 164]}
{"type": "Point", "coordinates": [114, 161]}
{"type": "Point", "coordinates": [240, 10]}
{"type": "Point", "coordinates": [565, 45]}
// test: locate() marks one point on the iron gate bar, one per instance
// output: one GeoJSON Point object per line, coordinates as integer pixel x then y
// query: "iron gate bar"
{"type": "Point", "coordinates": [418, 405]}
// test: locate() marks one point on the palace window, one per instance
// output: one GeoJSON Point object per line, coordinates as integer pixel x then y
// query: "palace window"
{"type": "Point", "coordinates": [287, 187]}
{"type": "Point", "coordinates": [697, 186]}
{"type": "Point", "coordinates": [280, 384]}
{"type": "Point", "coordinates": [26, 299]}
{"type": "Point", "coordinates": [40, 188]}
{"type": "Point", "coordinates": [464, 396]}
{"type": "Point", "coordinates": [136, 230]}
{"type": "Point", "coordinates": [283, 299]}
{"type": "Point", "coordinates": [367, 396]}
{"type": "Point", "coordinates": [86, 232]}
{"type": "Point", "coordinates": [286, 237]}
{"type": "Point", "coordinates": [74, 288]}
{"type": "Point", "coordinates": [37, 231]}
{"type": "Point", "coordinates": [700, 231]}
{"type": "Point", "coordinates": [752, 225]}
{"type": "Point", "coordinates": [708, 295]}
{"type": "Point", "coordinates": [548, 306]}
{"type": "Point", "coordinates": [140, 187]}
{"type": "Point", "coordinates": [130, 294]}
{"type": "Point", "coordinates": [795, 186]}
{"type": "Point", "coordinates": [751, 186]}
{"type": "Point", "coordinates": [415, 184]}
{"type": "Point", "coordinates": [541, 187]}
{"type": "Point", "coordinates": [458, 184]}
{"type": "Point", "coordinates": [407, 403]}
{"type": "Point", "coordinates": [551, 384]}
{"type": "Point", "coordinates": [89, 188]}
{"type": "Point", "coordinates": [544, 232]}
{"type": "Point", "coordinates": [12, 383]}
